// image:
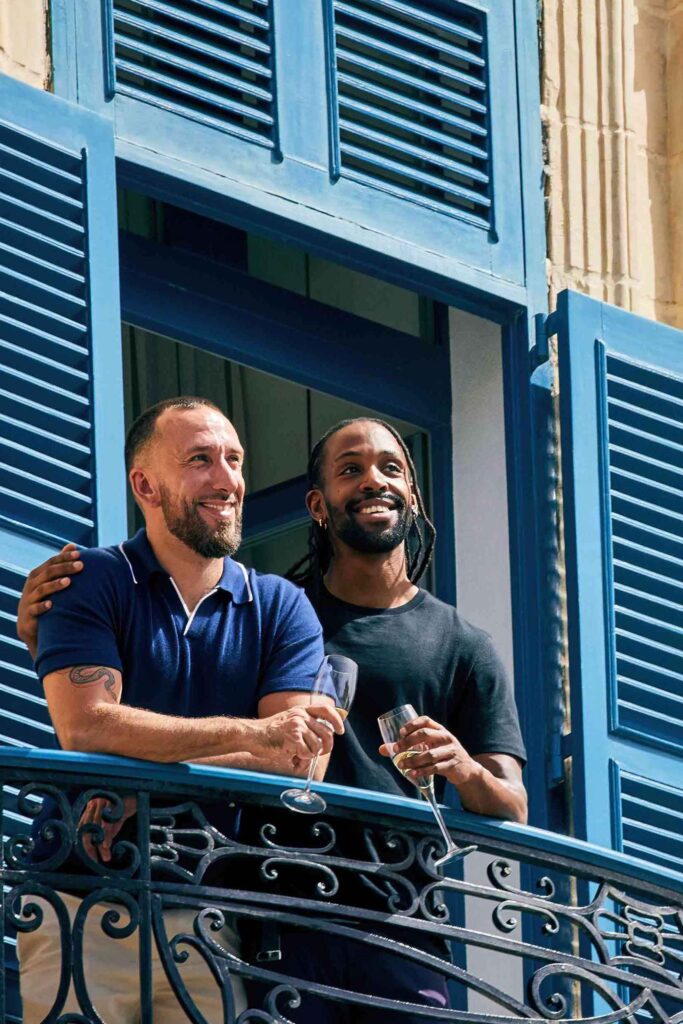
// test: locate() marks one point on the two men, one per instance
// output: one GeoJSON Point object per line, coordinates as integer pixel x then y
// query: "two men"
{"type": "Point", "coordinates": [169, 650]}
{"type": "Point", "coordinates": [370, 543]}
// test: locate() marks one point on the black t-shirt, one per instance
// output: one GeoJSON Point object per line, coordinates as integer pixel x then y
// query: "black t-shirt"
{"type": "Point", "coordinates": [421, 653]}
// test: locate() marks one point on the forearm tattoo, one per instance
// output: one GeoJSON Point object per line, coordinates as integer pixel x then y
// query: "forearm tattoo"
{"type": "Point", "coordinates": [86, 675]}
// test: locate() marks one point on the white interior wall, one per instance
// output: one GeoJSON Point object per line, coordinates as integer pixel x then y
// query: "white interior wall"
{"type": "Point", "coordinates": [480, 478]}
{"type": "Point", "coordinates": [482, 565]}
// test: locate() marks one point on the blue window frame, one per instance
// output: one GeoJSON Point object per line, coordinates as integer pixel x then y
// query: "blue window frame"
{"type": "Point", "coordinates": [385, 124]}
{"type": "Point", "coordinates": [621, 394]}
{"type": "Point", "coordinates": [224, 311]}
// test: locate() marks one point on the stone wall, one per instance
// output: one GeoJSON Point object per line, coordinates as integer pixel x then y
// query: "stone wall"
{"type": "Point", "coordinates": [24, 41]}
{"type": "Point", "coordinates": [613, 117]}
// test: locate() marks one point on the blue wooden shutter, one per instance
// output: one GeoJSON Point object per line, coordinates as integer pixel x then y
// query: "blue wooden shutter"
{"type": "Point", "coordinates": [61, 414]}
{"type": "Point", "coordinates": [621, 398]}
{"type": "Point", "coordinates": [385, 123]}
{"type": "Point", "coordinates": [207, 60]}
{"type": "Point", "coordinates": [410, 97]}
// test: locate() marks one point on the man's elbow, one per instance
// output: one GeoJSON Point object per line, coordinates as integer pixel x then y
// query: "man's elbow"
{"type": "Point", "coordinates": [520, 808]}
{"type": "Point", "coordinates": [78, 735]}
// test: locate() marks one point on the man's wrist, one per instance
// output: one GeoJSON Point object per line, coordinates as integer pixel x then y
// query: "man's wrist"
{"type": "Point", "coordinates": [466, 773]}
{"type": "Point", "coordinates": [253, 736]}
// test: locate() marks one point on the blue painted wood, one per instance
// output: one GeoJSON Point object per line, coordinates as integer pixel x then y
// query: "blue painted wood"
{"type": "Point", "coordinates": [372, 253]}
{"type": "Point", "coordinates": [240, 318]}
{"type": "Point", "coordinates": [527, 14]}
{"type": "Point", "coordinates": [528, 421]}
{"type": "Point", "coordinates": [166, 111]}
{"type": "Point", "coordinates": [407, 85]}
{"type": "Point", "coordinates": [276, 507]}
{"type": "Point", "coordinates": [621, 394]}
{"type": "Point", "coordinates": [59, 312]}
{"type": "Point", "coordinates": [61, 413]}
{"type": "Point", "coordinates": [108, 49]}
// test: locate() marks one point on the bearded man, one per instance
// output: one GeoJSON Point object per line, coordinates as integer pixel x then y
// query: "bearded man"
{"type": "Point", "coordinates": [370, 544]}
{"type": "Point", "coordinates": [169, 650]}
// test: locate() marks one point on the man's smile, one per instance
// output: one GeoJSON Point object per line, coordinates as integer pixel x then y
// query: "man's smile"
{"type": "Point", "coordinates": [220, 510]}
{"type": "Point", "coordinates": [379, 508]}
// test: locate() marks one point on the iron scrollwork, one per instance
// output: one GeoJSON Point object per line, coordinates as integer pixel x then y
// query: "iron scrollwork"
{"type": "Point", "coordinates": [583, 944]}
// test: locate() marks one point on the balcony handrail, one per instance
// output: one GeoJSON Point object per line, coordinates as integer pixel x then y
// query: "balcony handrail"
{"type": "Point", "coordinates": [536, 844]}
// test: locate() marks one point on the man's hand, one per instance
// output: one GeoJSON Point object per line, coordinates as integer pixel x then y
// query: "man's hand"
{"type": "Point", "coordinates": [94, 815]}
{"type": "Point", "coordinates": [441, 752]}
{"type": "Point", "coordinates": [489, 783]}
{"type": "Point", "coordinates": [301, 732]}
{"type": "Point", "coordinates": [47, 578]}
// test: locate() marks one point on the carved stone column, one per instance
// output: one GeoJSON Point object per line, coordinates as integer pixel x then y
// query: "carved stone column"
{"type": "Point", "coordinates": [610, 89]}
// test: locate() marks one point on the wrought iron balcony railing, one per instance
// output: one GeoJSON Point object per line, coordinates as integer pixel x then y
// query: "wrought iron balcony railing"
{"type": "Point", "coordinates": [537, 925]}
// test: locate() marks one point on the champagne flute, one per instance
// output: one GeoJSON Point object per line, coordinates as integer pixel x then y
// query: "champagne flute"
{"type": "Point", "coordinates": [336, 678]}
{"type": "Point", "coordinates": [390, 725]}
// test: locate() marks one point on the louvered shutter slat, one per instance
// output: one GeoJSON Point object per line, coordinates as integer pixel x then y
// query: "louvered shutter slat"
{"type": "Point", "coordinates": [427, 17]}
{"type": "Point", "coordinates": [175, 12]}
{"type": "Point", "coordinates": [433, 66]}
{"type": "Point", "coordinates": [200, 71]}
{"type": "Point", "coordinates": [380, 161]}
{"type": "Point", "coordinates": [209, 61]}
{"type": "Point", "coordinates": [651, 820]}
{"type": "Point", "coordinates": [621, 388]}
{"type": "Point", "coordinates": [230, 10]}
{"type": "Point", "coordinates": [409, 150]}
{"type": "Point", "coordinates": [204, 49]}
{"type": "Point", "coordinates": [412, 128]}
{"type": "Point", "coordinates": [59, 257]}
{"type": "Point", "coordinates": [411, 96]}
{"type": "Point", "coordinates": [445, 117]}
{"type": "Point", "coordinates": [195, 92]}
{"type": "Point", "coordinates": [33, 268]}
{"type": "Point", "coordinates": [52, 266]}
{"type": "Point", "coordinates": [24, 719]}
{"type": "Point", "coordinates": [414, 35]}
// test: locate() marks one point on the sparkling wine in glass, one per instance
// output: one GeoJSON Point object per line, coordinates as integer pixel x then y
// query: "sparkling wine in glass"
{"type": "Point", "coordinates": [390, 725]}
{"type": "Point", "coordinates": [336, 678]}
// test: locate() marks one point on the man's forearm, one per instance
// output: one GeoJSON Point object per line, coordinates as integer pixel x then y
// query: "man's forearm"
{"type": "Point", "coordinates": [481, 792]}
{"type": "Point", "coordinates": [134, 732]}
{"type": "Point", "coordinates": [273, 762]}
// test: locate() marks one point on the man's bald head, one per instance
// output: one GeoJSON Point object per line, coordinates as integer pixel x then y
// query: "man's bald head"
{"type": "Point", "coordinates": [142, 431]}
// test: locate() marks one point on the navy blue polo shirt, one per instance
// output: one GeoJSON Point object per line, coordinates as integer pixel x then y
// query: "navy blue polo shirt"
{"type": "Point", "coordinates": [252, 635]}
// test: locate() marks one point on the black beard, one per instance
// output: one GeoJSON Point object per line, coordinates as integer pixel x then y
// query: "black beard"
{"type": "Point", "coordinates": [188, 526]}
{"type": "Point", "coordinates": [347, 528]}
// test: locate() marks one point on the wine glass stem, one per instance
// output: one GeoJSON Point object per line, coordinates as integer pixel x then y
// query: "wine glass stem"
{"type": "Point", "coordinates": [311, 773]}
{"type": "Point", "coordinates": [450, 845]}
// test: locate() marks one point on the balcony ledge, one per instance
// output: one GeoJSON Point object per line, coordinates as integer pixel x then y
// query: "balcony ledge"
{"type": "Point", "coordinates": [582, 933]}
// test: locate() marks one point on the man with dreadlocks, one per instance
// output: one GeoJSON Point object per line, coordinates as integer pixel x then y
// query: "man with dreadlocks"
{"type": "Point", "coordinates": [370, 544]}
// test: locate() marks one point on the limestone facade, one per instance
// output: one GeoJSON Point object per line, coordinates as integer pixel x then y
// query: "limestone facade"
{"type": "Point", "coordinates": [24, 41]}
{"type": "Point", "coordinates": [612, 108]}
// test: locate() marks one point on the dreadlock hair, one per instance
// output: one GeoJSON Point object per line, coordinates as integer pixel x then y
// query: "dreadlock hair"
{"type": "Point", "coordinates": [420, 538]}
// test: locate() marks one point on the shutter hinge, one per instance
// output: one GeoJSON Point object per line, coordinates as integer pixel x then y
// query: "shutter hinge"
{"type": "Point", "coordinates": [540, 352]}
{"type": "Point", "coordinates": [560, 748]}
